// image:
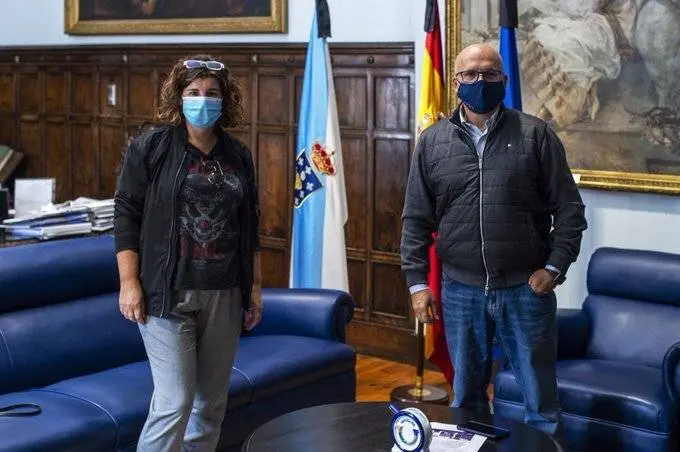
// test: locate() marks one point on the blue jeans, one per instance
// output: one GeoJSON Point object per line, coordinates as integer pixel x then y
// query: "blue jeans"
{"type": "Point", "coordinates": [525, 323]}
{"type": "Point", "coordinates": [191, 355]}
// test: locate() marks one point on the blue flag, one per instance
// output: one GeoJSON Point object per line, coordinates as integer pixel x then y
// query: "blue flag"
{"type": "Point", "coordinates": [508, 51]}
{"type": "Point", "coordinates": [318, 254]}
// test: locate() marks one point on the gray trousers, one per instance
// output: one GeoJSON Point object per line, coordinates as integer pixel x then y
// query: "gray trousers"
{"type": "Point", "coordinates": [191, 355]}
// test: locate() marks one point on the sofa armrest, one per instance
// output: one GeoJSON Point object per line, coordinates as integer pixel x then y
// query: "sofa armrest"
{"type": "Point", "coordinates": [305, 312]}
{"type": "Point", "coordinates": [671, 374]}
{"type": "Point", "coordinates": [573, 331]}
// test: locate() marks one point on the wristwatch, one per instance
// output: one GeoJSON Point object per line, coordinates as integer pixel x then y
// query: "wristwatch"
{"type": "Point", "coordinates": [555, 273]}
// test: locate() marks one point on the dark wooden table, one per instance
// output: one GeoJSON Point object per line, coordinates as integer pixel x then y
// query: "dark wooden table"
{"type": "Point", "coordinates": [365, 426]}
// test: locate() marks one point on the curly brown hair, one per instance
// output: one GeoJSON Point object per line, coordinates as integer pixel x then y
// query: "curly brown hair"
{"type": "Point", "coordinates": [170, 107]}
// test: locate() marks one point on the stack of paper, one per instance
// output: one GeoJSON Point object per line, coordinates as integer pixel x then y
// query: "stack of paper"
{"type": "Point", "coordinates": [448, 438]}
{"type": "Point", "coordinates": [50, 224]}
{"type": "Point", "coordinates": [80, 216]}
{"type": "Point", "coordinates": [102, 212]}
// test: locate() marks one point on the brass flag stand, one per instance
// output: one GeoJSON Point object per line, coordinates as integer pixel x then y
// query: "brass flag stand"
{"type": "Point", "coordinates": [420, 392]}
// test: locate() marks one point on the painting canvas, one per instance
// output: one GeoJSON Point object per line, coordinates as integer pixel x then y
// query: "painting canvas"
{"type": "Point", "coordinates": [174, 16]}
{"type": "Point", "coordinates": [603, 73]}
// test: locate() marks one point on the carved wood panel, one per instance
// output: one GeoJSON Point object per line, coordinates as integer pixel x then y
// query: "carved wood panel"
{"type": "Point", "coordinates": [72, 109]}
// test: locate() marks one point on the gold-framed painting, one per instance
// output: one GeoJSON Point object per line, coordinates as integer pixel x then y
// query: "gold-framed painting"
{"type": "Point", "coordinates": [106, 17]}
{"type": "Point", "coordinates": [604, 76]}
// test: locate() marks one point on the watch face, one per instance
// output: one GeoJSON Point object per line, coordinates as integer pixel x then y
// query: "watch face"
{"type": "Point", "coordinates": [407, 433]}
{"type": "Point", "coordinates": [411, 430]}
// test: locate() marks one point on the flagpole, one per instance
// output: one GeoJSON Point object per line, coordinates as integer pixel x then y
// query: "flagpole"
{"type": "Point", "coordinates": [420, 392]}
{"type": "Point", "coordinates": [431, 104]}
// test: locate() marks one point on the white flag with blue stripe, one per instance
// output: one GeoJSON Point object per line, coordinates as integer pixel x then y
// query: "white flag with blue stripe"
{"type": "Point", "coordinates": [318, 255]}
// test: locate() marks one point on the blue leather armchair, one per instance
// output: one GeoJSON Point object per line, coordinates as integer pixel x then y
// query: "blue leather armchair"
{"type": "Point", "coordinates": [618, 364]}
{"type": "Point", "coordinates": [65, 347]}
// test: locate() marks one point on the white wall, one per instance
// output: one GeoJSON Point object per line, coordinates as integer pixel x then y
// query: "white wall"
{"type": "Point", "coordinates": [619, 219]}
{"type": "Point", "coordinates": [41, 22]}
{"type": "Point", "coordinates": [624, 220]}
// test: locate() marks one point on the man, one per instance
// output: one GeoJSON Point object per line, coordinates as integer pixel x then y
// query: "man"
{"type": "Point", "coordinates": [495, 184]}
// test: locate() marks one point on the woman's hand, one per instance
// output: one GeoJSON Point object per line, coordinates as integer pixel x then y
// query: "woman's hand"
{"type": "Point", "coordinates": [253, 315]}
{"type": "Point", "coordinates": [131, 301]}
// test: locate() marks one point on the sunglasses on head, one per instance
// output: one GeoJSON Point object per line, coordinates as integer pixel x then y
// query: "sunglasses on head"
{"type": "Point", "coordinates": [211, 65]}
{"type": "Point", "coordinates": [214, 171]}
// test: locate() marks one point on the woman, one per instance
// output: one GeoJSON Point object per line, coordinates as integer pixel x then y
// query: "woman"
{"type": "Point", "coordinates": [186, 219]}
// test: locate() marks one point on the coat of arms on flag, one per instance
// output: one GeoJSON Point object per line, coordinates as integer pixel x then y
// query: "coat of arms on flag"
{"type": "Point", "coordinates": [307, 181]}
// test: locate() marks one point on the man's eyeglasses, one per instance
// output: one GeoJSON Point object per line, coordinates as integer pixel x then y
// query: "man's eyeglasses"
{"type": "Point", "coordinates": [211, 65]}
{"type": "Point", "coordinates": [472, 76]}
{"type": "Point", "coordinates": [214, 172]}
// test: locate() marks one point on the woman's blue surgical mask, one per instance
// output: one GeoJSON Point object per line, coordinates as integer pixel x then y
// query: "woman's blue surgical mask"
{"type": "Point", "coordinates": [202, 112]}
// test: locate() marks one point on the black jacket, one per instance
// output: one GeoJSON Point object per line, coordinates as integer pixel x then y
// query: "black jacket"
{"type": "Point", "coordinates": [500, 217]}
{"type": "Point", "coordinates": [145, 219]}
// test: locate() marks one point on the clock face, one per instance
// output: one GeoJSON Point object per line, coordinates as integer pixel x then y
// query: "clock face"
{"type": "Point", "coordinates": [407, 434]}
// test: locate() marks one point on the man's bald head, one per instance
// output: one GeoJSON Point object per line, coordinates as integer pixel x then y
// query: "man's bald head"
{"type": "Point", "coordinates": [479, 95]}
{"type": "Point", "coordinates": [479, 57]}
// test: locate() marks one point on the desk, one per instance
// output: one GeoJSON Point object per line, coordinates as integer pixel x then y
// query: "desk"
{"type": "Point", "coordinates": [365, 426]}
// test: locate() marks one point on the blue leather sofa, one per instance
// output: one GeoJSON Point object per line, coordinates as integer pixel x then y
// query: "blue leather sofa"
{"type": "Point", "coordinates": [65, 347]}
{"type": "Point", "coordinates": [618, 373]}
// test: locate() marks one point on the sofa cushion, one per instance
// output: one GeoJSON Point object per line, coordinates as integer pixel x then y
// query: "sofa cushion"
{"type": "Point", "coordinates": [51, 343]}
{"type": "Point", "coordinates": [53, 272]}
{"type": "Point", "coordinates": [631, 331]}
{"type": "Point", "coordinates": [276, 363]}
{"type": "Point", "coordinates": [622, 393]}
{"type": "Point", "coordinates": [66, 424]}
{"type": "Point", "coordinates": [644, 275]}
{"type": "Point", "coordinates": [124, 393]}
{"type": "Point", "coordinates": [633, 305]}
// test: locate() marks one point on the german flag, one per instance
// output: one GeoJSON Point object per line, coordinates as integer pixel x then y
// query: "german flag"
{"type": "Point", "coordinates": [431, 105]}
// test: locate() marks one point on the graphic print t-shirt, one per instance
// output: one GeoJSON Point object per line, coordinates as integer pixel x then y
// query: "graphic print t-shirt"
{"type": "Point", "coordinates": [208, 222]}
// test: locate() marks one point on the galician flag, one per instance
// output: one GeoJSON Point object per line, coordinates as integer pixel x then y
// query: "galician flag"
{"type": "Point", "coordinates": [318, 255]}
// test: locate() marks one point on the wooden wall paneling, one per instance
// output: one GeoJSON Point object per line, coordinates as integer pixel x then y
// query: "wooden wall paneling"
{"type": "Point", "coordinates": [392, 165]}
{"type": "Point", "coordinates": [274, 268]}
{"type": "Point", "coordinates": [111, 129]}
{"type": "Point", "coordinates": [30, 140]}
{"type": "Point", "coordinates": [84, 122]}
{"type": "Point", "coordinates": [244, 130]}
{"type": "Point", "coordinates": [30, 109]}
{"type": "Point", "coordinates": [245, 82]}
{"type": "Point", "coordinates": [274, 162]}
{"type": "Point", "coordinates": [390, 124]}
{"type": "Point", "coordinates": [110, 92]}
{"type": "Point", "coordinates": [356, 186]}
{"type": "Point", "coordinates": [29, 91]}
{"type": "Point", "coordinates": [84, 159]}
{"type": "Point", "coordinates": [57, 157]}
{"type": "Point", "coordinates": [7, 91]}
{"type": "Point", "coordinates": [273, 98]}
{"type": "Point", "coordinates": [7, 106]}
{"type": "Point", "coordinates": [56, 148]}
{"type": "Point", "coordinates": [56, 89]}
{"type": "Point", "coordinates": [72, 133]}
{"type": "Point", "coordinates": [370, 210]}
{"type": "Point", "coordinates": [7, 128]}
{"type": "Point", "coordinates": [141, 94]}
{"type": "Point", "coordinates": [273, 167]}
{"type": "Point", "coordinates": [83, 93]}
{"type": "Point", "coordinates": [111, 147]}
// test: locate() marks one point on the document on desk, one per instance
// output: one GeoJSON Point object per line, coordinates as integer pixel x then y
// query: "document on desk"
{"type": "Point", "coordinates": [447, 438]}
